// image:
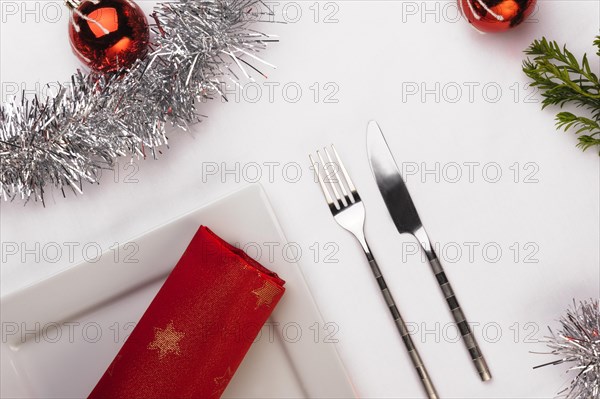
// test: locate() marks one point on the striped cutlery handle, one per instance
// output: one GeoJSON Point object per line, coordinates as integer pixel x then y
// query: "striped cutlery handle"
{"type": "Point", "coordinates": [461, 320]}
{"type": "Point", "coordinates": [401, 326]}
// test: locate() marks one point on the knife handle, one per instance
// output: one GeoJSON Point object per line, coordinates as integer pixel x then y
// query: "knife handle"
{"type": "Point", "coordinates": [401, 326]}
{"type": "Point", "coordinates": [460, 319]}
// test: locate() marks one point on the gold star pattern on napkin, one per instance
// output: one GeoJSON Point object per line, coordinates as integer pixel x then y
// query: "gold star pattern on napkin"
{"type": "Point", "coordinates": [166, 340]}
{"type": "Point", "coordinates": [266, 293]}
{"type": "Point", "coordinates": [221, 382]}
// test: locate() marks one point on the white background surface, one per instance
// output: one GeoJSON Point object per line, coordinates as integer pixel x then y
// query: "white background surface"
{"type": "Point", "coordinates": [370, 56]}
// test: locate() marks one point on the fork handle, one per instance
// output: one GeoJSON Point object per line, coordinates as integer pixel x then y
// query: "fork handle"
{"type": "Point", "coordinates": [401, 326]}
{"type": "Point", "coordinates": [460, 319]}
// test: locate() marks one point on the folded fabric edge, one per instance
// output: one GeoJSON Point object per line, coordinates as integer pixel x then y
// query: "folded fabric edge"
{"type": "Point", "coordinates": [239, 252]}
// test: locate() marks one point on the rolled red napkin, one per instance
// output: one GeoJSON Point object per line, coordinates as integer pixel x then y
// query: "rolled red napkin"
{"type": "Point", "coordinates": [198, 328]}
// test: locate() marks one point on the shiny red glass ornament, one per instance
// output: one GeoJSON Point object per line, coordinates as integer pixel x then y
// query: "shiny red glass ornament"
{"type": "Point", "coordinates": [108, 34]}
{"type": "Point", "coordinates": [496, 15]}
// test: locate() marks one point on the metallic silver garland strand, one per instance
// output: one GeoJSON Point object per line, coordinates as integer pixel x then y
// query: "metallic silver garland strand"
{"type": "Point", "coordinates": [67, 139]}
{"type": "Point", "coordinates": [578, 343]}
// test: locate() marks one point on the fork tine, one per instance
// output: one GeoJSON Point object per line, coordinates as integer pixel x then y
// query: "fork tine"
{"type": "Point", "coordinates": [332, 184]}
{"type": "Point", "coordinates": [328, 198]}
{"type": "Point", "coordinates": [344, 171]}
{"type": "Point", "coordinates": [340, 180]}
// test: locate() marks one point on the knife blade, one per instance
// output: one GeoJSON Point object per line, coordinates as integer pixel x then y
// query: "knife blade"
{"type": "Point", "coordinates": [389, 180]}
{"type": "Point", "coordinates": [404, 215]}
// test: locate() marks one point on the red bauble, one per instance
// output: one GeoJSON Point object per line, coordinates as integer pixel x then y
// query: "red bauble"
{"type": "Point", "coordinates": [496, 15]}
{"type": "Point", "coordinates": [108, 34]}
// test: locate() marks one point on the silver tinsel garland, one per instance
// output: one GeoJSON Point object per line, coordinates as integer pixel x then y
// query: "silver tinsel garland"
{"type": "Point", "coordinates": [578, 343]}
{"type": "Point", "coordinates": [67, 139]}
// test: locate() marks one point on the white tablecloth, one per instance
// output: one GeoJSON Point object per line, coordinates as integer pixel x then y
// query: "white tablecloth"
{"type": "Point", "coordinates": [511, 203]}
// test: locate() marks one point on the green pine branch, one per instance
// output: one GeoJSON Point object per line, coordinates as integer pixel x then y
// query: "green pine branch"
{"type": "Point", "coordinates": [564, 80]}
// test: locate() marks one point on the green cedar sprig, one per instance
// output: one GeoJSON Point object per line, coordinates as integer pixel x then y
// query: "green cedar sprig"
{"type": "Point", "coordinates": [564, 80]}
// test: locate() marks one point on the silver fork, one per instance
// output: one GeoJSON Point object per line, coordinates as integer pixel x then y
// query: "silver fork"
{"type": "Point", "coordinates": [349, 212]}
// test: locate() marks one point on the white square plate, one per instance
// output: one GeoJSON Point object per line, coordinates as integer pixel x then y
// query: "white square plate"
{"type": "Point", "coordinates": [60, 334]}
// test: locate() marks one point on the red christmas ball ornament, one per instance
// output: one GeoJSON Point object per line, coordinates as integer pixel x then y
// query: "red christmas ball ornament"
{"type": "Point", "coordinates": [496, 15]}
{"type": "Point", "coordinates": [108, 34]}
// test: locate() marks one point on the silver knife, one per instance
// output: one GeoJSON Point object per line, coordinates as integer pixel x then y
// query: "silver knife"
{"type": "Point", "coordinates": [405, 217]}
